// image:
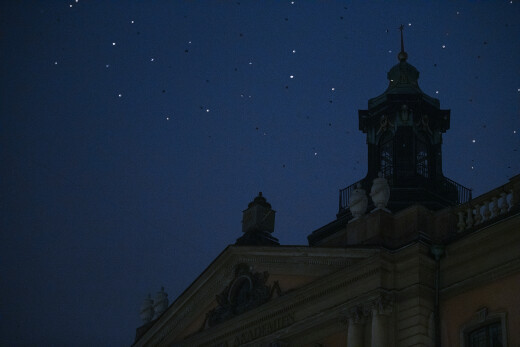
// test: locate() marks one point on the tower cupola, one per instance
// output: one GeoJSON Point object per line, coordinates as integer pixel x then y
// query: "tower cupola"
{"type": "Point", "coordinates": [404, 128]}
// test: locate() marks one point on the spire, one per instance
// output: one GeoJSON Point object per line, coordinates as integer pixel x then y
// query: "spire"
{"type": "Point", "coordinates": [402, 56]}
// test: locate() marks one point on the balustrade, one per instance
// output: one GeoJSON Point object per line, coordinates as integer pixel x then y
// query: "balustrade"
{"type": "Point", "coordinates": [489, 206]}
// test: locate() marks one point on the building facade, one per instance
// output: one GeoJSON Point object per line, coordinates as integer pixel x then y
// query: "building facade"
{"type": "Point", "coordinates": [412, 259]}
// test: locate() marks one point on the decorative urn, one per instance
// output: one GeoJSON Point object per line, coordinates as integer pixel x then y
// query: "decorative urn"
{"type": "Point", "coordinates": [380, 192]}
{"type": "Point", "coordinates": [358, 201]}
{"type": "Point", "coordinates": [160, 303]}
{"type": "Point", "coordinates": [147, 310]}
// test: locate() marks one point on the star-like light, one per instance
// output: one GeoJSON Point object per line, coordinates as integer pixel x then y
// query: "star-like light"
{"type": "Point", "coordinates": [107, 66]}
{"type": "Point", "coordinates": [293, 51]}
{"type": "Point", "coordinates": [55, 63]}
{"type": "Point", "coordinates": [119, 95]}
{"type": "Point", "coordinates": [152, 59]}
{"type": "Point", "coordinates": [291, 76]}
{"type": "Point", "coordinates": [436, 92]}
{"type": "Point", "coordinates": [473, 141]}
{"type": "Point", "coordinates": [113, 43]}
{"type": "Point", "coordinates": [207, 110]}
{"type": "Point", "coordinates": [443, 46]}
{"type": "Point", "coordinates": [132, 22]}
{"type": "Point", "coordinates": [333, 89]}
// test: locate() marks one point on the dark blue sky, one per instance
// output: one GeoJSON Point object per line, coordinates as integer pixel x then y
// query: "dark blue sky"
{"type": "Point", "coordinates": [105, 198]}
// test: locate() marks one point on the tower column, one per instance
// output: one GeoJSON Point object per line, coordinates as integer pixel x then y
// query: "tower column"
{"type": "Point", "coordinates": [380, 323]}
{"type": "Point", "coordinates": [356, 327]}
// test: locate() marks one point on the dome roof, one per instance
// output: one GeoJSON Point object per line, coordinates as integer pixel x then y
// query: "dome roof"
{"type": "Point", "coordinates": [403, 79]}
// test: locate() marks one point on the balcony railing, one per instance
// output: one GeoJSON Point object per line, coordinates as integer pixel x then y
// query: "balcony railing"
{"type": "Point", "coordinates": [443, 187]}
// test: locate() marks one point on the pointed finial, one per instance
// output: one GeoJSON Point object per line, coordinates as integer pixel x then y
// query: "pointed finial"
{"type": "Point", "coordinates": [402, 56]}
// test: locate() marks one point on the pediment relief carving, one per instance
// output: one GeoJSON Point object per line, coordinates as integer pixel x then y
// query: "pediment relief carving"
{"type": "Point", "coordinates": [246, 291]}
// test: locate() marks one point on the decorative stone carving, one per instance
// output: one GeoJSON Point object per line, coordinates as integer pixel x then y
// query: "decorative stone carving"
{"type": "Point", "coordinates": [383, 305]}
{"type": "Point", "coordinates": [146, 312]}
{"type": "Point", "coordinates": [380, 192]}
{"type": "Point", "coordinates": [258, 224]}
{"type": "Point", "coordinates": [160, 304]}
{"type": "Point", "coordinates": [358, 201]}
{"type": "Point", "coordinates": [384, 124]}
{"type": "Point", "coordinates": [246, 291]}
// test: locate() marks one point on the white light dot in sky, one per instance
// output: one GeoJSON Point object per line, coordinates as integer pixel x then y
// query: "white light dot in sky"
{"type": "Point", "coordinates": [167, 118]}
{"type": "Point", "coordinates": [70, 5]}
{"type": "Point", "coordinates": [132, 22]}
{"type": "Point", "coordinates": [436, 92]}
{"type": "Point", "coordinates": [458, 12]}
{"type": "Point", "coordinates": [472, 168]}
{"type": "Point", "coordinates": [292, 2]}
{"type": "Point", "coordinates": [409, 24]}
{"type": "Point", "coordinates": [514, 131]}
{"type": "Point", "coordinates": [241, 95]}
{"type": "Point", "coordinates": [77, 0]}
{"type": "Point", "coordinates": [119, 95]}
{"type": "Point", "coordinates": [518, 89]}
{"type": "Point", "coordinates": [250, 63]}
{"type": "Point", "coordinates": [294, 51]}
{"type": "Point", "coordinates": [389, 51]}
{"type": "Point", "coordinates": [152, 59]}
{"type": "Point", "coordinates": [207, 110]}
{"type": "Point", "coordinates": [107, 66]}
{"type": "Point", "coordinates": [291, 76]}
{"type": "Point", "coordinates": [315, 153]}
{"type": "Point", "coordinates": [113, 43]}
{"type": "Point", "coordinates": [56, 63]}
{"type": "Point", "coordinates": [189, 42]}
{"type": "Point", "coordinates": [443, 46]}
{"type": "Point", "coordinates": [333, 89]}
{"type": "Point", "coordinates": [473, 141]}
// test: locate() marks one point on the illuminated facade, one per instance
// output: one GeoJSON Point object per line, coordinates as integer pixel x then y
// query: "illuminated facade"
{"type": "Point", "coordinates": [411, 260]}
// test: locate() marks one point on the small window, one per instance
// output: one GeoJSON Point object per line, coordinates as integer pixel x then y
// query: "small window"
{"type": "Point", "coordinates": [421, 157]}
{"type": "Point", "coordinates": [485, 329]}
{"type": "Point", "coordinates": [487, 336]}
{"type": "Point", "coordinates": [386, 155]}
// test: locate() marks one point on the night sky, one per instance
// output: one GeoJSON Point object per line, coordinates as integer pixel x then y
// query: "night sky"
{"type": "Point", "coordinates": [133, 134]}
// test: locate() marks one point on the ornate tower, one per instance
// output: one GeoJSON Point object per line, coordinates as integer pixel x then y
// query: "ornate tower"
{"type": "Point", "coordinates": [404, 128]}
